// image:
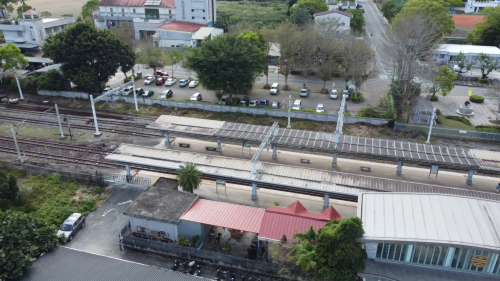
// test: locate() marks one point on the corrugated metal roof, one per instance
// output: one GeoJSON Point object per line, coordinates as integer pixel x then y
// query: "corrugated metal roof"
{"type": "Point", "coordinates": [202, 33]}
{"type": "Point", "coordinates": [275, 225]}
{"type": "Point", "coordinates": [430, 218]}
{"type": "Point", "coordinates": [487, 159]}
{"type": "Point", "coordinates": [298, 210]}
{"type": "Point", "coordinates": [225, 215]}
{"type": "Point", "coordinates": [69, 264]}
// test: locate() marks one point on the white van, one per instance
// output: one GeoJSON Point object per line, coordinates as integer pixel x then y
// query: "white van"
{"type": "Point", "coordinates": [297, 105]}
{"type": "Point", "coordinates": [275, 88]}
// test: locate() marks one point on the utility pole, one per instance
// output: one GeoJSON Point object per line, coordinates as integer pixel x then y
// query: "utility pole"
{"type": "Point", "coordinates": [17, 145]}
{"type": "Point", "coordinates": [289, 108]}
{"type": "Point", "coordinates": [18, 85]}
{"type": "Point", "coordinates": [59, 121]}
{"type": "Point", "coordinates": [135, 94]}
{"type": "Point", "coordinates": [433, 116]}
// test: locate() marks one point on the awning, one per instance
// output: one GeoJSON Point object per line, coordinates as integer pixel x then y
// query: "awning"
{"type": "Point", "coordinates": [225, 215]}
{"type": "Point", "coordinates": [39, 60]}
{"type": "Point", "coordinates": [22, 45]}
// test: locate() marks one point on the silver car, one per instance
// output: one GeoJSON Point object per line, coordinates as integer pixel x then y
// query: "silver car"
{"type": "Point", "coordinates": [71, 226]}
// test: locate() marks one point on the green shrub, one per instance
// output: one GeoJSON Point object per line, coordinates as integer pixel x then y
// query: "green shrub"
{"type": "Point", "coordinates": [356, 99]}
{"type": "Point", "coordinates": [476, 99]}
{"type": "Point", "coordinates": [129, 78]}
{"type": "Point", "coordinates": [183, 241]}
{"type": "Point", "coordinates": [347, 114]}
{"type": "Point", "coordinates": [486, 128]}
{"type": "Point", "coordinates": [195, 239]}
{"type": "Point", "coordinates": [434, 98]}
{"type": "Point", "coordinates": [50, 81]}
{"type": "Point", "coordinates": [484, 81]}
{"type": "Point", "coordinates": [459, 119]}
{"type": "Point", "coordinates": [370, 112]}
{"type": "Point", "coordinates": [438, 112]}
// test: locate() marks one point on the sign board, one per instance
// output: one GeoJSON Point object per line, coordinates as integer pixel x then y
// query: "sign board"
{"type": "Point", "coordinates": [434, 170]}
{"type": "Point", "coordinates": [470, 93]}
{"type": "Point", "coordinates": [462, 132]}
{"type": "Point", "coordinates": [220, 182]}
{"type": "Point", "coordinates": [246, 145]}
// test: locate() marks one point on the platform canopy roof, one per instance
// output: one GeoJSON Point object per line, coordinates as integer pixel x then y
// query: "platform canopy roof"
{"type": "Point", "coordinates": [438, 219]}
{"type": "Point", "coordinates": [319, 140]}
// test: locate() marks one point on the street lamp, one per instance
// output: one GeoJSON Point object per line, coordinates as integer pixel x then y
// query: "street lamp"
{"type": "Point", "coordinates": [118, 223]}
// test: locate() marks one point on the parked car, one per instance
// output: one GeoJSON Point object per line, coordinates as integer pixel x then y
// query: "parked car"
{"type": "Point", "coordinates": [184, 82]}
{"type": "Point", "coordinates": [128, 90]}
{"type": "Point", "coordinates": [196, 97]}
{"type": "Point", "coordinates": [345, 93]}
{"type": "Point", "coordinates": [245, 100]}
{"type": "Point", "coordinates": [106, 90]}
{"type": "Point", "coordinates": [193, 83]}
{"type": "Point", "coordinates": [351, 89]}
{"type": "Point", "coordinates": [320, 108]}
{"type": "Point", "coordinates": [276, 104]}
{"type": "Point", "coordinates": [160, 80]}
{"type": "Point", "coordinates": [223, 100]}
{"type": "Point", "coordinates": [297, 105]}
{"type": "Point", "coordinates": [170, 81]}
{"type": "Point", "coordinates": [149, 80]}
{"type": "Point", "coordinates": [253, 103]}
{"type": "Point", "coordinates": [71, 226]}
{"type": "Point", "coordinates": [166, 94]}
{"type": "Point", "coordinates": [304, 92]}
{"type": "Point", "coordinates": [162, 73]}
{"type": "Point", "coordinates": [275, 88]}
{"type": "Point", "coordinates": [263, 103]}
{"type": "Point", "coordinates": [333, 94]}
{"type": "Point", "coordinates": [139, 91]}
{"type": "Point", "coordinates": [148, 94]}
{"type": "Point", "coordinates": [456, 68]}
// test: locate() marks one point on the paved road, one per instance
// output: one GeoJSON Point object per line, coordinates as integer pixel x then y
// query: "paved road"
{"type": "Point", "coordinates": [376, 26]}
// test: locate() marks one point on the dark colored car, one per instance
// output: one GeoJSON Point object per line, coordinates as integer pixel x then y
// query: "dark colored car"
{"type": "Point", "coordinates": [139, 91]}
{"type": "Point", "coordinates": [160, 80]}
{"type": "Point", "coordinates": [148, 94]}
{"type": "Point", "coordinates": [166, 94]}
{"type": "Point", "coordinates": [263, 103]}
{"type": "Point", "coordinates": [71, 226]}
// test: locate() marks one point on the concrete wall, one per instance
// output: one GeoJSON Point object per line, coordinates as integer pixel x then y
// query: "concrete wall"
{"type": "Point", "coordinates": [189, 229]}
{"type": "Point", "coordinates": [150, 225]}
{"type": "Point", "coordinates": [66, 94]}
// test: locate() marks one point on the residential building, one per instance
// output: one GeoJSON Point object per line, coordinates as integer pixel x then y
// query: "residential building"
{"type": "Point", "coordinates": [180, 34]}
{"type": "Point", "coordinates": [473, 6]}
{"type": "Point", "coordinates": [147, 15]}
{"type": "Point", "coordinates": [30, 31]}
{"type": "Point", "coordinates": [452, 237]}
{"type": "Point", "coordinates": [446, 53]}
{"type": "Point", "coordinates": [343, 18]}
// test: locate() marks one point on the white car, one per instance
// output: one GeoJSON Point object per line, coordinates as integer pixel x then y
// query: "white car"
{"type": "Point", "coordinates": [196, 97]}
{"type": "Point", "coordinates": [456, 68]}
{"type": "Point", "coordinates": [320, 108]}
{"type": "Point", "coordinates": [333, 94]}
{"type": "Point", "coordinates": [297, 105]}
{"type": "Point", "coordinates": [149, 80]}
{"type": "Point", "coordinates": [170, 81]}
{"type": "Point", "coordinates": [253, 103]}
{"type": "Point", "coordinates": [193, 83]}
{"type": "Point", "coordinates": [128, 90]}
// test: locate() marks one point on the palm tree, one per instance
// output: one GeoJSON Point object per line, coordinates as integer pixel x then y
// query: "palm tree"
{"type": "Point", "coordinates": [189, 177]}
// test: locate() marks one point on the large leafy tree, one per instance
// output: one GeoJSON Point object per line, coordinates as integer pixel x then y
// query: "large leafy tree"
{"type": "Point", "coordinates": [23, 8]}
{"type": "Point", "coordinates": [89, 56]}
{"type": "Point", "coordinates": [23, 238]}
{"type": "Point", "coordinates": [390, 9]}
{"type": "Point", "coordinates": [50, 81]}
{"type": "Point", "coordinates": [332, 253]}
{"type": "Point", "coordinates": [358, 22]}
{"type": "Point", "coordinates": [10, 56]}
{"type": "Point", "coordinates": [443, 81]}
{"type": "Point", "coordinates": [189, 177]}
{"type": "Point", "coordinates": [434, 10]}
{"type": "Point", "coordinates": [301, 16]}
{"type": "Point", "coordinates": [89, 7]}
{"type": "Point", "coordinates": [8, 187]}
{"type": "Point", "coordinates": [227, 64]}
{"type": "Point", "coordinates": [490, 33]}
{"type": "Point", "coordinates": [150, 55]}
{"type": "Point", "coordinates": [7, 4]}
{"type": "Point", "coordinates": [313, 6]}
{"type": "Point", "coordinates": [463, 61]}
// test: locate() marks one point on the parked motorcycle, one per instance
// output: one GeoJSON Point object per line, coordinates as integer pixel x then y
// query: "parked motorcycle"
{"type": "Point", "coordinates": [192, 267]}
{"type": "Point", "coordinates": [186, 268]}
{"type": "Point", "coordinates": [218, 275]}
{"type": "Point", "coordinates": [197, 272]}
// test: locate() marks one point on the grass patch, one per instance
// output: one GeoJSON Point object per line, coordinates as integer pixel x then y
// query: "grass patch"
{"type": "Point", "coordinates": [492, 129]}
{"type": "Point", "coordinates": [268, 13]}
{"type": "Point", "coordinates": [453, 123]}
{"type": "Point", "coordinates": [303, 125]}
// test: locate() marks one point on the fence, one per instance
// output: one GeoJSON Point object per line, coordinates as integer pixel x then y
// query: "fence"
{"type": "Point", "coordinates": [447, 132]}
{"type": "Point", "coordinates": [227, 108]}
{"type": "Point", "coordinates": [66, 94]}
{"type": "Point", "coordinates": [189, 253]}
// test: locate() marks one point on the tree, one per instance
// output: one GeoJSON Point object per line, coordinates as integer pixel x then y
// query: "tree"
{"type": "Point", "coordinates": [357, 21]}
{"type": "Point", "coordinates": [240, 26]}
{"type": "Point", "coordinates": [286, 35]}
{"type": "Point", "coordinates": [490, 33]}
{"type": "Point", "coordinates": [189, 177]}
{"type": "Point", "coordinates": [150, 55]}
{"type": "Point", "coordinates": [332, 253]}
{"type": "Point", "coordinates": [89, 7]}
{"type": "Point", "coordinates": [494, 94]}
{"type": "Point", "coordinates": [328, 56]}
{"type": "Point", "coordinates": [407, 43]}
{"type": "Point", "coordinates": [475, 37]}
{"type": "Point", "coordinates": [487, 64]}
{"type": "Point", "coordinates": [313, 6]}
{"type": "Point", "coordinates": [7, 4]}
{"type": "Point", "coordinates": [443, 81]}
{"type": "Point", "coordinates": [10, 57]}
{"type": "Point", "coordinates": [227, 64]}
{"type": "Point", "coordinates": [301, 17]}
{"type": "Point", "coordinates": [452, 4]}
{"type": "Point", "coordinates": [268, 37]}
{"type": "Point", "coordinates": [127, 58]}
{"type": "Point", "coordinates": [24, 239]}
{"type": "Point", "coordinates": [45, 14]}
{"type": "Point", "coordinates": [50, 81]}
{"type": "Point", "coordinates": [356, 58]}
{"type": "Point", "coordinates": [23, 8]}
{"type": "Point", "coordinates": [258, 39]}
{"type": "Point", "coordinates": [125, 33]}
{"type": "Point", "coordinates": [434, 10]}
{"type": "Point", "coordinates": [391, 8]}
{"type": "Point", "coordinates": [89, 57]}
{"type": "Point", "coordinates": [463, 61]}
{"type": "Point", "coordinates": [172, 58]}
{"type": "Point", "coordinates": [307, 51]}
{"type": "Point", "coordinates": [8, 187]}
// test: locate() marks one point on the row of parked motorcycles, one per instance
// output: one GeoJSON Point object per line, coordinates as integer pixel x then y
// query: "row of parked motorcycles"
{"type": "Point", "coordinates": [189, 268]}
{"type": "Point", "coordinates": [223, 276]}
{"type": "Point", "coordinates": [194, 268]}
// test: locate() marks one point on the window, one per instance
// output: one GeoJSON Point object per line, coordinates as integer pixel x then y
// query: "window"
{"type": "Point", "coordinates": [133, 11]}
{"type": "Point", "coordinates": [19, 34]}
{"type": "Point", "coordinates": [441, 56]}
{"type": "Point", "coordinates": [173, 46]}
{"type": "Point", "coordinates": [169, 12]}
{"type": "Point", "coordinates": [152, 14]}
{"type": "Point", "coordinates": [203, 10]}
{"type": "Point", "coordinates": [123, 12]}
{"type": "Point", "coordinates": [192, 10]}
{"type": "Point", "coordinates": [170, 17]}
{"type": "Point", "coordinates": [203, 17]}
{"type": "Point", "coordinates": [193, 17]}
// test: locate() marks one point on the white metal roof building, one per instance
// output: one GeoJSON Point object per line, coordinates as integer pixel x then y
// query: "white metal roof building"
{"type": "Point", "coordinates": [447, 52]}
{"type": "Point", "coordinates": [437, 230]}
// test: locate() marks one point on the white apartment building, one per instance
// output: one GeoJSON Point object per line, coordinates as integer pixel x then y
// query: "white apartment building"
{"type": "Point", "coordinates": [147, 15]}
{"type": "Point", "coordinates": [30, 31]}
{"type": "Point", "coordinates": [473, 6]}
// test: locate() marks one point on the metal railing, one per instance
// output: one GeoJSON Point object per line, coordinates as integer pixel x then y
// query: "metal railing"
{"type": "Point", "coordinates": [193, 253]}
{"type": "Point", "coordinates": [448, 132]}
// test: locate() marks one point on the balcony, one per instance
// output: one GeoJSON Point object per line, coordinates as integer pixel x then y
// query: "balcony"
{"type": "Point", "coordinates": [143, 19]}
{"type": "Point", "coordinates": [115, 16]}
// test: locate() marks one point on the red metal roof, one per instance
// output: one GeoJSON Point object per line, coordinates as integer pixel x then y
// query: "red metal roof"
{"type": "Point", "coordinates": [181, 26]}
{"type": "Point", "coordinates": [31, 12]}
{"type": "Point", "coordinates": [275, 225]}
{"type": "Point", "coordinates": [297, 209]}
{"type": "Point", "coordinates": [225, 215]}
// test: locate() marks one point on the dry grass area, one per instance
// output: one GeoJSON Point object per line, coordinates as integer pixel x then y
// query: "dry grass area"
{"type": "Point", "coordinates": [56, 7]}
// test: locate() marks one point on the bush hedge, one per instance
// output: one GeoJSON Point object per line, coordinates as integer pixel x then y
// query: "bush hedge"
{"type": "Point", "coordinates": [356, 99]}
{"type": "Point", "coordinates": [128, 78]}
{"type": "Point", "coordinates": [434, 98]}
{"type": "Point", "coordinates": [476, 99]}
{"type": "Point", "coordinates": [485, 128]}
{"type": "Point", "coordinates": [484, 81]}
{"type": "Point", "coordinates": [459, 119]}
